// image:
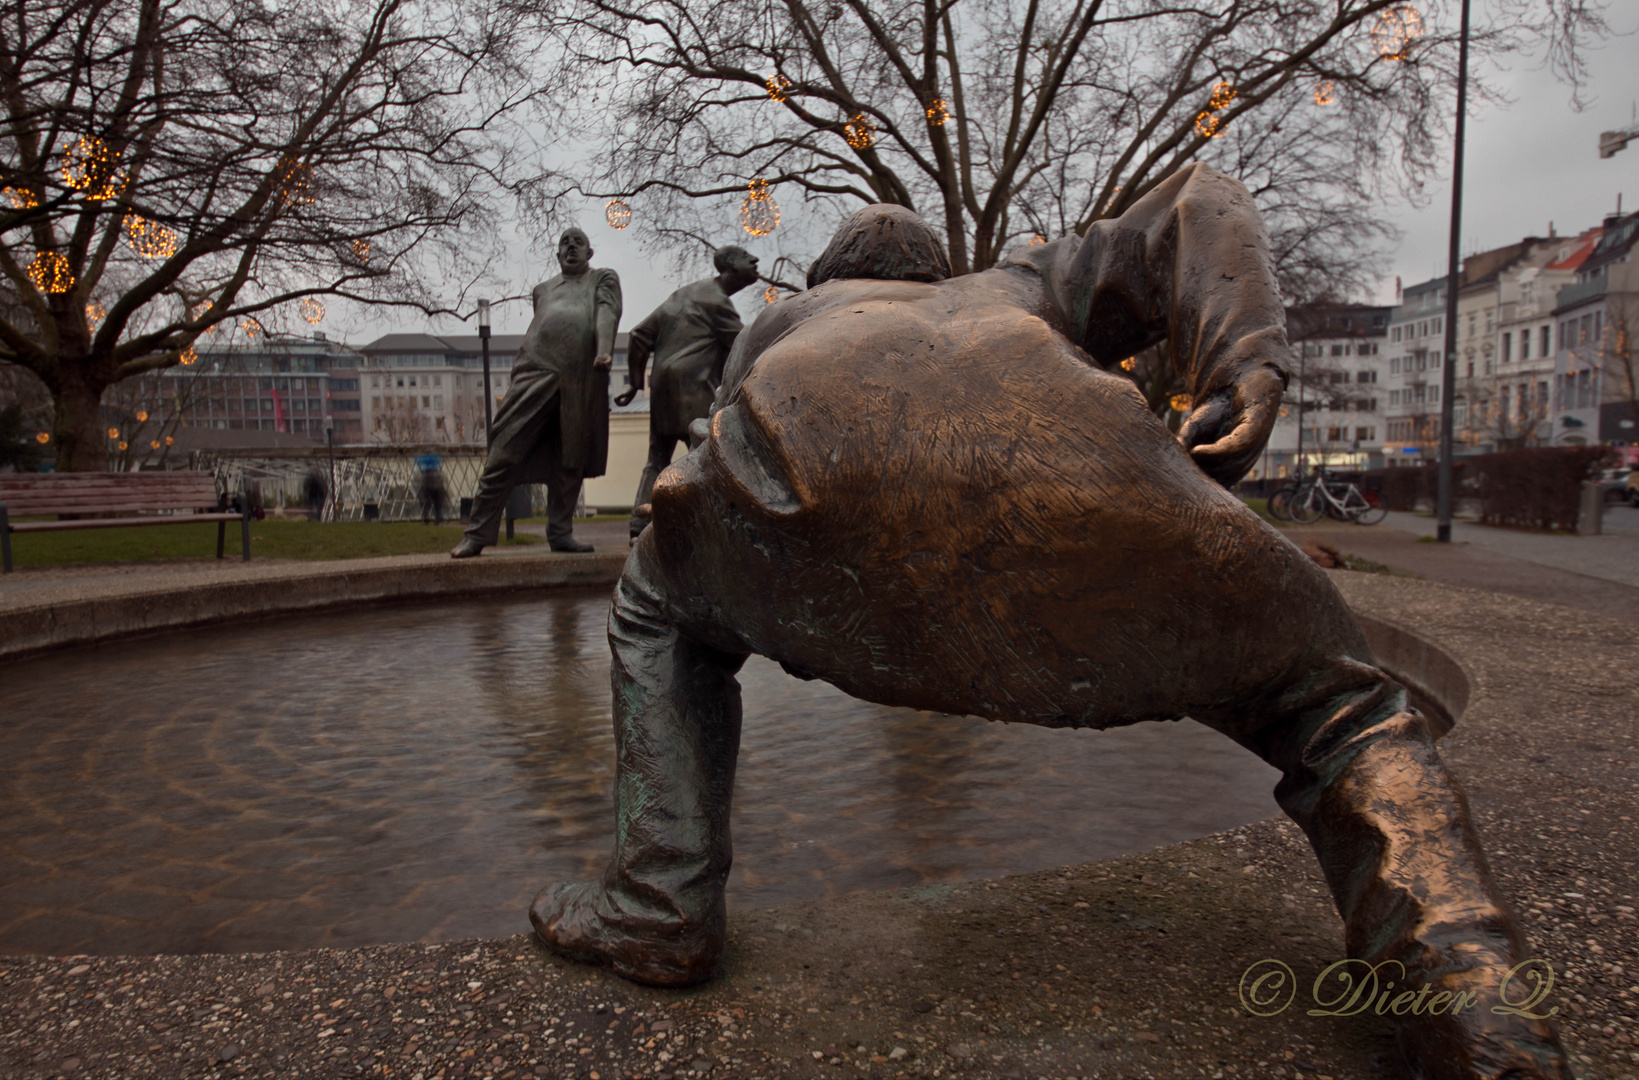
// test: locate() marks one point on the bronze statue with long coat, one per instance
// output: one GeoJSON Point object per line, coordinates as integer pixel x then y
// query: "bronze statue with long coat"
{"type": "Point", "coordinates": [553, 424]}
{"type": "Point", "coordinates": [930, 492]}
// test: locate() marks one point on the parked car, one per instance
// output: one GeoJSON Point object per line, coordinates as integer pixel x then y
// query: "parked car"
{"type": "Point", "coordinates": [1619, 485]}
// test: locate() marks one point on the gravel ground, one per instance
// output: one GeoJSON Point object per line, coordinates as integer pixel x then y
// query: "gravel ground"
{"type": "Point", "coordinates": [1123, 969]}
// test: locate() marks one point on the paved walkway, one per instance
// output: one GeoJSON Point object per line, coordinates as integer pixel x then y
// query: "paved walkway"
{"type": "Point", "coordinates": [1591, 573]}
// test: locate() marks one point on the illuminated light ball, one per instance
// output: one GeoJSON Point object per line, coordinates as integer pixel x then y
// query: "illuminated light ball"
{"type": "Point", "coordinates": [188, 356]}
{"type": "Point", "coordinates": [95, 313]}
{"type": "Point", "coordinates": [1129, 363]}
{"type": "Point", "coordinates": [50, 272]}
{"type": "Point", "coordinates": [142, 417]}
{"type": "Point", "coordinates": [149, 239]}
{"type": "Point", "coordinates": [1396, 28]}
{"type": "Point", "coordinates": [312, 309]}
{"type": "Point", "coordinates": [251, 327]}
{"type": "Point", "coordinates": [361, 250]}
{"type": "Point", "coordinates": [1222, 95]}
{"type": "Point", "coordinates": [759, 213]}
{"type": "Point", "coordinates": [43, 438]}
{"type": "Point", "coordinates": [20, 199]}
{"type": "Point", "coordinates": [937, 113]}
{"type": "Point", "coordinates": [153, 444]}
{"type": "Point", "coordinates": [1286, 412]}
{"type": "Point", "coordinates": [169, 440]}
{"type": "Point", "coordinates": [124, 445]}
{"type": "Point", "coordinates": [1209, 125]}
{"type": "Point", "coordinates": [1179, 402]}
{"type": "Point", "coordinates": [90, 167]}
{"type": "Point", "coordinates": [778, 86]}
{"type": "Point", "coordinates": [113, 433]}
{"type": "Point", "coordinates": [770, 294]}
{"type": "Point", "coordinates": [1325, 92]}
{"type": "Point", "coordinates": [295, 184]}
{"type": "Point", "coordinates": [1037, 239]}
{"type": "Point", "coordinates": [618, 213]}
{"type": "Point", "coordinates": [859, 132]}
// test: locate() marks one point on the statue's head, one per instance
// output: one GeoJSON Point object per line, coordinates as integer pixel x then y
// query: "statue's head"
{"type": "Point", "coordinates": [574, 252]}
{"type": "Point", "coordinates": [884, 241]}
{"type": "Point", "coordinates": [737, 266]}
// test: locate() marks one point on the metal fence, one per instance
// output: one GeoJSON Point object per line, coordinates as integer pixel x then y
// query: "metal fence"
{"type": "Point", "coordinates": [362, 483]}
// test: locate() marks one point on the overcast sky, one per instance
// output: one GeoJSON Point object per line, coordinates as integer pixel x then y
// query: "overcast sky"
{"type": "Point", "coordinates": [1529, 163]}
{"type": "Point", "coordinates": [1532, 162]}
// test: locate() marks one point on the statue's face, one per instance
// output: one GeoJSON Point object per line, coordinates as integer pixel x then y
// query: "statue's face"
{"type": "Point", "coordinates": [574, 252]}
{"type": "Point", "coordinates": [742, 268]}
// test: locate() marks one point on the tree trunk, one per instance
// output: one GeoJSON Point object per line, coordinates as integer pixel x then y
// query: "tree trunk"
{"type": "Point", "coordinates": [82, 442]}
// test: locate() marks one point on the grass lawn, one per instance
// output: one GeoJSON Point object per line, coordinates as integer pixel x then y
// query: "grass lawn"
{"type": "Point", "coordinates": [269, 539]}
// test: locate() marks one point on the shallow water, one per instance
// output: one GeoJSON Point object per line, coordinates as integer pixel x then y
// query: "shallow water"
{"type": "Point", "coordinates": [418, 772]}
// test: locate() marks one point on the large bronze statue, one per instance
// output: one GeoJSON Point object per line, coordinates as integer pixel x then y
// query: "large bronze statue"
{"type": "Point", "coordinates": [553, 424]}
{"type": "Point", "coordinates": [689, 336]}
{"type": "Point", "coordinates": [929, 492]}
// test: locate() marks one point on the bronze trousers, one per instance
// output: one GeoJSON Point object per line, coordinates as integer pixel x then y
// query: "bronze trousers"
{"type": "Point", "coordinates": [1124, 586]}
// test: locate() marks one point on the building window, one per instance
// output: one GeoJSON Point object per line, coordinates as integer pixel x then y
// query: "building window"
{"type": "Point", "coordinates": [1395, 334]}
{"type": "Point", "coordinates": [1547, 341]}
{"type": "Point", "coordinates": [1507, 347]}
{"type": "Point", "coordinates": [426, 402]}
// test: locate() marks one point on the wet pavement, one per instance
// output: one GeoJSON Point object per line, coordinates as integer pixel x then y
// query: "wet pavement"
{"type": "Point", "coordinates": [415, 773]}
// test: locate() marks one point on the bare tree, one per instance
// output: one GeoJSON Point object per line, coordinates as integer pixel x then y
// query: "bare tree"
{"type": "Point", "coordinates": [171, 165]}
{"type": "Point", "coordinates": [1003, 119]}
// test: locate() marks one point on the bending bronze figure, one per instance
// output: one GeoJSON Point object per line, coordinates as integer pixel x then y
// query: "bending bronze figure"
{"type": "Point", "coordinates": [929, 492]}
{"type": "Point", "coordinates": [689, 337]}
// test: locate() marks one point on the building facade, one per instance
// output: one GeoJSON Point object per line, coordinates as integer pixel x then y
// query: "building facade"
{"type": "Point", "coordinates": [1334, 396]}
{"type": "Point", "coordinates": [296, 385]}
{"type": "Point", "coordinates": [1593, 364]}
{"type": "Point", "coordinates": [1416, 339]}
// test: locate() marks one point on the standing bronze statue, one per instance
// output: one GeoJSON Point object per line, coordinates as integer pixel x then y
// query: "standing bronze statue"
{"type": "Point", "coordinates": [930, 492]}
{"type": "Point", "coordinates": [689, 336]}
{"type": "Point", "coordinates": [553, 424]}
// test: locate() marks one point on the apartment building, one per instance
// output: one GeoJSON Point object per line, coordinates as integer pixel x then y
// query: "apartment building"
{"type": "Point", "coordinates": [1337, 368]}
{"type": "Point", "coordinates": [1513, 407]}
{"type": "Point", "coordinates": [1416, 340]}
{"type": "Point", "coordinates": [1593, 363]}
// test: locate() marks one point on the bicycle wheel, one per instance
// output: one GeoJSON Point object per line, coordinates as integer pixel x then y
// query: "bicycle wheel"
{"type": "Point", "coordinates": [1280, 503]}
{"type": "Point", "coordinates": [1372, 513]}
{"type": "Point", "coordinates": [1308, 505]}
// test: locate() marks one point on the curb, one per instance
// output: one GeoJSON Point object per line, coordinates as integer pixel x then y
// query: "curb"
{"type": "Point", "coordinates": [42, 627]}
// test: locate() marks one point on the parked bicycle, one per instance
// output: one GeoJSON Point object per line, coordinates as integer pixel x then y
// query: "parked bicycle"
{"type": "Point", "coordinates": [1341, 499]}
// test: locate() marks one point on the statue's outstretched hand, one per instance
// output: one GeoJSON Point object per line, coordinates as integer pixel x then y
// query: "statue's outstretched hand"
{"type": "Point", "coordinates": [1227, 429]}
{"type": "Point", "coordinates": [602, 362]}
{"type": "Point", "coordinates": [624, 398]}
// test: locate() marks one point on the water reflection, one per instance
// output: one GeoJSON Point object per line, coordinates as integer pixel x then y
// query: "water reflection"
{"type": "Point", "coordinates": [416, 773]}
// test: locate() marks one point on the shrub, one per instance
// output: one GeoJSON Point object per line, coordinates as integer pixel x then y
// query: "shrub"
{"type": "Point", "coordinates": [1534, 489]}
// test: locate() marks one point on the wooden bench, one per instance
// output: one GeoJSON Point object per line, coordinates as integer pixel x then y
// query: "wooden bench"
{"type": "Point", "coordinates": [128, 498]}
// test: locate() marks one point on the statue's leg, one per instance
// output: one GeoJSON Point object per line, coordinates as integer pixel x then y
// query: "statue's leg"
{"type": "Point", "coordinates": [657, 913]}
{"type": "Point", "coordinates": [518, 425]}
{"type": "Point", "coordinates": [562, 494]}
{"type": "Point", "coordinates": [660, 455]}
{"type": "Point", "coordinates": [1391, 828]}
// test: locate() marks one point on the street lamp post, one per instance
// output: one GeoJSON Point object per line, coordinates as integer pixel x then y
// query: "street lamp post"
{"type": "Point", "coordinates": [483, 338]}
{"type": "Point", "coordinates": [1448, 370]}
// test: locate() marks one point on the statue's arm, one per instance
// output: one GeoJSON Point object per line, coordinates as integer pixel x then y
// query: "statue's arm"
{"type": "Point", "coordinates": [1189, 263]}
{"type": "Point", "coordinates": [607, 307]}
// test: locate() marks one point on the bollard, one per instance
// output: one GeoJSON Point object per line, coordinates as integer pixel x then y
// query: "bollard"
{"type": "Point", "coordinates": [1590, 521]}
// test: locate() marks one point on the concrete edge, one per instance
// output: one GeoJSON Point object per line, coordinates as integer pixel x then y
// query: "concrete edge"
{"type": "Point", "coordinates": [45, 627]}
{"type": "Point", "coordinates": [1422, 665]}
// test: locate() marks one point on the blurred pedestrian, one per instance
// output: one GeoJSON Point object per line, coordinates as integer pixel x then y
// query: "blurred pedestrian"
{"type": "Point", "coordinates": [431, 469]}
{"type": "Point", "coordinates": [314, 491]}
